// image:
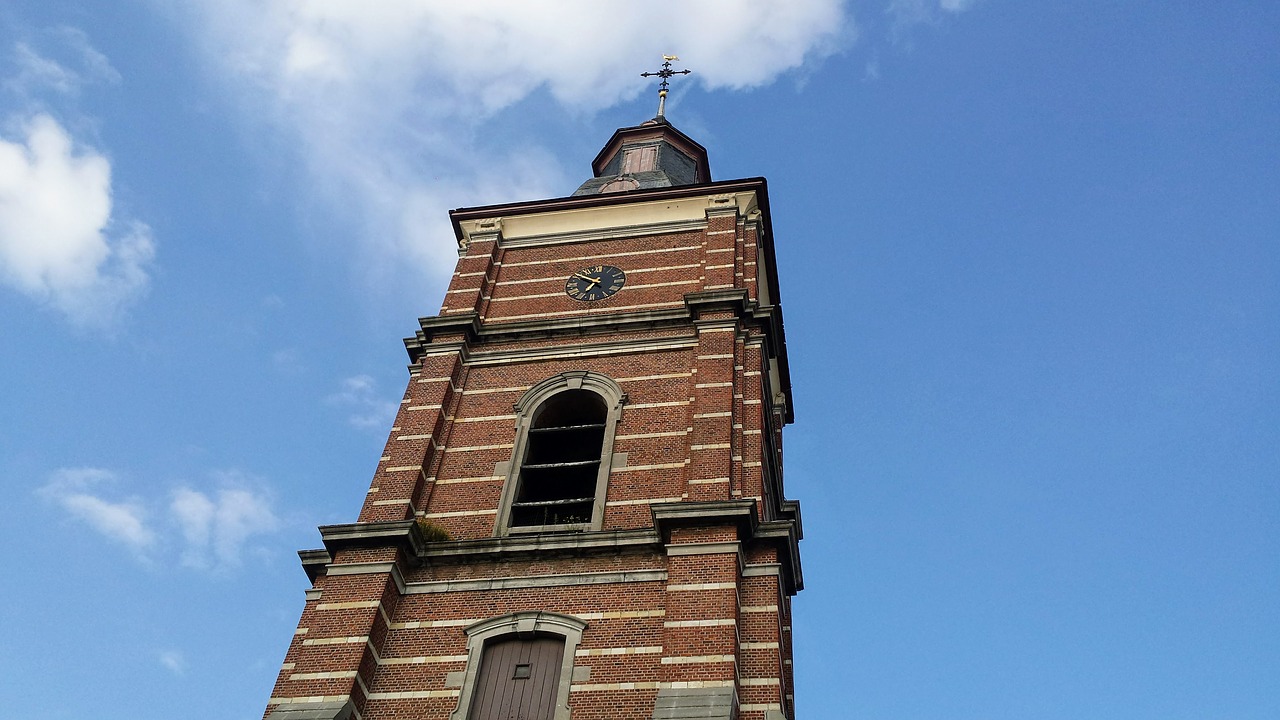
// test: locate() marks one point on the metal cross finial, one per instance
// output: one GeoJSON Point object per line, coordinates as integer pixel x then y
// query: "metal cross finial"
{"type": "Point", "coordinates": [665, 73]}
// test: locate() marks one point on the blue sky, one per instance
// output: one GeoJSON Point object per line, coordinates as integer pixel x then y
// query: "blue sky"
{"type": "Point", "coordinates": [1030, 262]}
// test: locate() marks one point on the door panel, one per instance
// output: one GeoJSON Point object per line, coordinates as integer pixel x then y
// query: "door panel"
{"type": "Point", "coordinates": [518, 679]}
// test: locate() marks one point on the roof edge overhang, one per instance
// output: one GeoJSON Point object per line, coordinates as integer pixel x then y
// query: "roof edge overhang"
{"type": "Point", "coordinates": [583, 202]}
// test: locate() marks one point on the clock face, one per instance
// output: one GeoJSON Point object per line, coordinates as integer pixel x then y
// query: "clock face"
{"type": "Point", "coordinates": [595, 283]}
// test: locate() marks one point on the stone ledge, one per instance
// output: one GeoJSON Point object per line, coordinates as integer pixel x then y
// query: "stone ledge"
{"type": "Point", "coordinates": [332, 710]}
{"type": "Point", "coordinates": [406, 536]}
{"type": "Point", "coordinates": [577, 543]}
{"type": "Point", "coordinates": [702, 703]}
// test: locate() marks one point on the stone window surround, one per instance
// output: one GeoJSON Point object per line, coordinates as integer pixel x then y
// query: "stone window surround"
{"type": "Point", "coordinates": [614, 398]}
{"type": "Point", "coordinates": [521, 624]}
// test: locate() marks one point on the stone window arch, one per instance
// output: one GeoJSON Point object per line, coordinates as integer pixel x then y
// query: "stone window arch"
{"type": "Point", "coordinates": [559, 470]}
{"type": "Point", "coordinates": [493, 668]}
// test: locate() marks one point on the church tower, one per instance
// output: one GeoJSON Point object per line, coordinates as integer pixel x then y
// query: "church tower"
{"type": "Point", "coordinates": [580, 510]}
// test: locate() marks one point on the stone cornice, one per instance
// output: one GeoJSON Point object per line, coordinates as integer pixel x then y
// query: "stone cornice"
{"type": "Point", "coordinates": [472, 329]}
{"type": "Point", "coordinates": [782, 534]}
{"type": "Point", "coordinates": [506, 211]}
{"type": "Point", "coordinates": [406, 536]}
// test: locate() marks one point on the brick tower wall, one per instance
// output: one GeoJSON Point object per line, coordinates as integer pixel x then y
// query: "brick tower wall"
{"type": "Point", "coordinates": [701, 607]}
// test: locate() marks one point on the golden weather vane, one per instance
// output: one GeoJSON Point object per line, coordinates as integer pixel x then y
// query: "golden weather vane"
{"type": "Point", "coordinates": [666, 74]}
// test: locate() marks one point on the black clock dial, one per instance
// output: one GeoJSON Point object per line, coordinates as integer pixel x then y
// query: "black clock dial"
{"type": "Point", "coordinates": [595, 283]}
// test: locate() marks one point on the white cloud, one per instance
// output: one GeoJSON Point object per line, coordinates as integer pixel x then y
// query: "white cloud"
{"type": "Point", "coordinates": [173, 660]}
{"type": "Point", "coordinates": [369, 410]}
{"type": "Point", "coordinates": [216, 528]}
{"type": "Point", "coordinates": [122, 521]}
{"type": "Point", "coordinates": [58, 242]}
{"type": "Point", "coordinates": [382, 99]}
{"type": "Point", "coordinates": [906, 14]}
{"type": "Point", "coordinates": [36, 73]}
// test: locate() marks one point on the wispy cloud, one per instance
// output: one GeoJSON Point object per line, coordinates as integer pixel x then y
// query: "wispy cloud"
{"type": "Point", "coordinates": [217, 526]}
{"type": "Point", "coordinates": [78, 491]}
{"type": "Point", "coordinates": [37, 72]}
{"type": "Point", "coordinates": [208, 529]}
{"type": "Point", "coordinates": [173, 660]}
{"type": "Point", "coordinates": [906, 14]}
{"type": "Point", "coordinates": [369, 409]}
{"type": "Point", "coordinates": [61, 243]}
{"type": "Point", "coordinates": [382, 101]}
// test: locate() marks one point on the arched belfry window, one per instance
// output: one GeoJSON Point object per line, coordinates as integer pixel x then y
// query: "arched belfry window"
{"type": "Point", "coordinates": [557, 484]}
{"type": "Point", "coordinates": [559, 472]}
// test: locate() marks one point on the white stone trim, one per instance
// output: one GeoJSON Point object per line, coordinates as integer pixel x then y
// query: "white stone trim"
{"type": "Point", "coordinates": [488, 391]}
{"type": "Point", "coordinates": [659, 466]}
{"type": "Point", "coordinates": [601, 350]}
{"type": "Point", "coordinates": [363, 604]}
{"type": "Point", "coordinates": [459, 481]}
{"type": "Point", "coordinates": [645, 378]}
{"type": "Point", "coordinates": [460, 513]}
{"type": "Point", "coordinates": [422, 660]}
{"type": "Point", "coordinates": [411, 694]}
{"type": "Point", "coordinates": [759, 681]}
{"type": "Point", "coordinates": [642, 501]}
{"type": "Point", "coordinates": [762, 570]}
{"type": "Point", "coordinates": [704, 548]}
{"type": "Point", "coordinates": [623, 614]}
{"type": "Point", "coordinates": [608, 256]}
{"type": "Point", "coordinates": [417, 624]}
{"type": "Point", "coordinates": [478, 448]}
{"type": "Point", "coordinates": [307, 699]}
{"type": "Point", "coordinates": [600, 652]}
{"type": "Point", "coordinates": [646, 436]}
{"type": "Point", "coordinates": [343, 675]}
{"type": "Point", "coordinates": [348, 640]}
{"type": "Point", "coordinates": [695, 587]}
{"type": "Point", "coordinates": [524, 581]}
{"type": "Point", "coordinates": [586, 311]}
{"type": "Point", "coordinates": [484, 418]}
{"type": "Point", "coordinates": [605, 687]}
{"type": "Point", "coordinates": [665, 403]}
{"type": "Point", "coordinates": [700, 623]}
{"type": "Point", "coordinates": [696, 659]}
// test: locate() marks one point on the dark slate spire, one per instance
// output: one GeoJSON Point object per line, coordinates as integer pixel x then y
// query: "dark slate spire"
{"type": "Point", "coordinates": [653, 154]}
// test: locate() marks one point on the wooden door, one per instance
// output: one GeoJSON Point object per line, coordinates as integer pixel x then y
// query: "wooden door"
{"type": "Point", "coordinates": [518, 679]}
